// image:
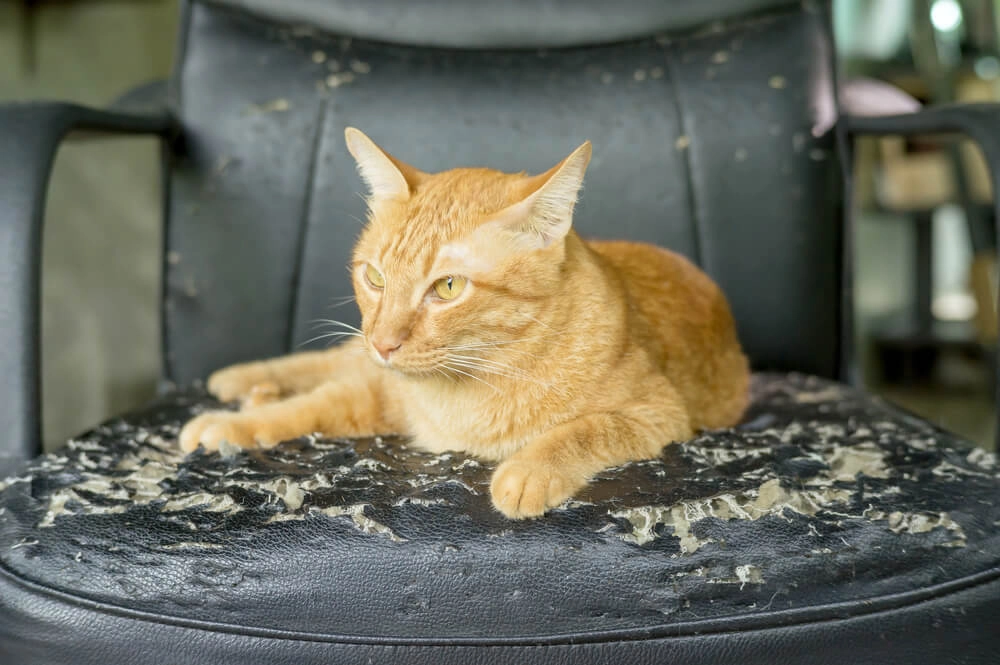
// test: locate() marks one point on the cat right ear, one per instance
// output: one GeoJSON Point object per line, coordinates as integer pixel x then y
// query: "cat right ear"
{"type": "Point", "coordinates": [386, 176]}
{"type": "Point", "coordinates": [545, 215]}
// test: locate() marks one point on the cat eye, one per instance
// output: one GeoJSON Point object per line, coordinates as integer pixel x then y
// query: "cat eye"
{"type": "Point", "coordinates": [450, 287]}
{"type": "Point", "coordinates": [374, 277]}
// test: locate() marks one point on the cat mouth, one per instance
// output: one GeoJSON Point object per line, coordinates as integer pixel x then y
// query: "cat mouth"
{"type": "Point", "coordinates": [432, 363]}
{"type": "Point", "coordinates": [405, 364]}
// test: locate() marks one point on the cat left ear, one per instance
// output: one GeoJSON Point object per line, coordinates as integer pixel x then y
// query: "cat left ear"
{"type": "Point", "coordinates": [545, 215]}
{"type": "Point", "coordinates": [386, 176]}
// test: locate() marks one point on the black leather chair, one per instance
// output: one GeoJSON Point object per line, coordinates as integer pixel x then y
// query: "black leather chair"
{"type": "Point", "coordinates": [829, 527]}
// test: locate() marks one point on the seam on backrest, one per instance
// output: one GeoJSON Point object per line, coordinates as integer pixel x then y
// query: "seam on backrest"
{"type": "Point", "coordinates": [698, 236]}
{"type": "Point", "coordinates": [293, 300]}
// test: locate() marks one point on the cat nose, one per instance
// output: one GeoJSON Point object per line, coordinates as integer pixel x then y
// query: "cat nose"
{"type": "Point", "coordinates": [385, 348]}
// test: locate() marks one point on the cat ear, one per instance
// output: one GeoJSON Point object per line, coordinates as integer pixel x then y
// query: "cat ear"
{"type": "Point", "coordinates": [386, 176]}
{"type": "Point", "coordinates": [545, 214]}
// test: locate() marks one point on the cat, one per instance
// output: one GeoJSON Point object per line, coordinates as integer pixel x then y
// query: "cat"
{"type": "Point", "coordinates": [490, 327]}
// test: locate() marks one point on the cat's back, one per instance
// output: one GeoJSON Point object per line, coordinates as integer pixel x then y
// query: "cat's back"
{"type": "Point", "coordinates": [681, 317]}
{"type": "Point", "coordinates": [663, 285]}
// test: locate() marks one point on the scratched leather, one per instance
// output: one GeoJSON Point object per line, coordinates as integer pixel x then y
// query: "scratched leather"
{"type": "Point", "coordinates": [371, 538]}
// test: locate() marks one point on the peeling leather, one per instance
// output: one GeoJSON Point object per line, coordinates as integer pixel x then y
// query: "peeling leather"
{"type": "Point", "coordinates": [822, 495]}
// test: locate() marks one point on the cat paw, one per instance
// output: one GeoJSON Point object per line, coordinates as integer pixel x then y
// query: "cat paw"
{"type": "Point", "coordinates": [525, 488]}
{"type": "Point", "coordinates": [261, 394]}
{"type": "Point", "coordinates": [211, 429]}
{"type": "Point", "coordinates": [240, 382]}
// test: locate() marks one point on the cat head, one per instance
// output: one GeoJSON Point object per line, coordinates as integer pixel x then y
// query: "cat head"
{"type": "Point", "coordinates": [454, 266]}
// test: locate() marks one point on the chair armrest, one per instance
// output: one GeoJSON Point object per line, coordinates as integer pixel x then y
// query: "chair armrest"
{"type": "Point", "coordinates": [979, 122]}
{"type": "Point", "coordinates": [30, 134]}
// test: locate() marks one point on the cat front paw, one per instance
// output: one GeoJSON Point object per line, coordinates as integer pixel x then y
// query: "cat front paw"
{"type": "Point", "coordinates": [248, 383]}
{"type": "Point", "coordinates": [526, 488]}
{"type": "Point", "coordinates": [238, 429]}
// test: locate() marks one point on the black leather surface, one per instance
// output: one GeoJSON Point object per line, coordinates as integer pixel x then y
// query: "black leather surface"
{"type": "Point", "coordinates": [828, 528]}
{"type": "Point", "coordinates": [701, 144]}
{"type": "Point", "coordinates": [29, 137]}
{"type": "Point", "coordinates": [827, 516]}
{"type": "Point", "coordinates": [507, 24]}
{"type": "Point", "coordinates": [953, 627]}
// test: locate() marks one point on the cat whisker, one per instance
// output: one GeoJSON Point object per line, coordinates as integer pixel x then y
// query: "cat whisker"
{"type": "Point", "coordinates": [337, 334]}
{"type": "Point", "coordinates": [541, 323]}
{"type": "Point", "coordinates": [485, 362]}
{"type": "Point", "coordinates": [483, 345]}
{"type": "Point", "coordinates": [340, 302]}
{"type": "Point", "coordinates": [510, 352]}
{"type": "Point", "coordinates": [471, 376]}
{"type": "Point", "coordinates": [340, 332]}
{"type": "Point", "coordinates": [505, 371]}
{"type": "Point", "coordinates": [320, 326]}
{"type": "Point", "coordinates": [438, 370]}
{"type": "Point", "coordinates": [334, 322]}
{"type": "Point", "coordinates": [513, 377]}
{"type": "Point", "coordinates": [329, 328]}
{"type": "Point", "coordinates": [513, 353]}
{"type": "Point", "coordinates": [480, 366]}
{"type": "Point", "coordinates": [490, 372]}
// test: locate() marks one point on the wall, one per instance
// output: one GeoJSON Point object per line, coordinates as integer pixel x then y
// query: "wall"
{"type": "Point", "coordinates": [102, 227]}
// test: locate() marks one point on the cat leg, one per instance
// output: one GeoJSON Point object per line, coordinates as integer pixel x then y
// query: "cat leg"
{"type": "Point", "coordinates": [354, 404]}
{"type": "Point", "coordinates": [559, 463]}
{"type": "Point", "coordinates": [264, 381]}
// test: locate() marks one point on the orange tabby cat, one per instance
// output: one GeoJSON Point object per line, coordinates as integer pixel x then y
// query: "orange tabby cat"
{"type": "Point", "coordinates": [491, 327]}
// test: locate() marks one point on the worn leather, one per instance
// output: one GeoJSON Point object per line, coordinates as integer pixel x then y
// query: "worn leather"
{"type": "Point", "coordinates": [827, 528]}
{"type": "Point", "coordinates": [30, 134]}
{"type": "Point", "coordinates": [701, 144]}
{"type": "Point", "coordinates": [507, 24]}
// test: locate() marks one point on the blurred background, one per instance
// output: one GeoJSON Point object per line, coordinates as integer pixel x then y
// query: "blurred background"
{"type": "Point", "coordinates": [926, 322]}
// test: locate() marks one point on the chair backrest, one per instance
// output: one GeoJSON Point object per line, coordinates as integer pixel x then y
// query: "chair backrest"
{"type": "Point", "coordinates": [703, 142]}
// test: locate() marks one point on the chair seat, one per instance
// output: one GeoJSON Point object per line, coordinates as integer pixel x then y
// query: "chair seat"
{"type": "Point", "coordinates": [828, 527]}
